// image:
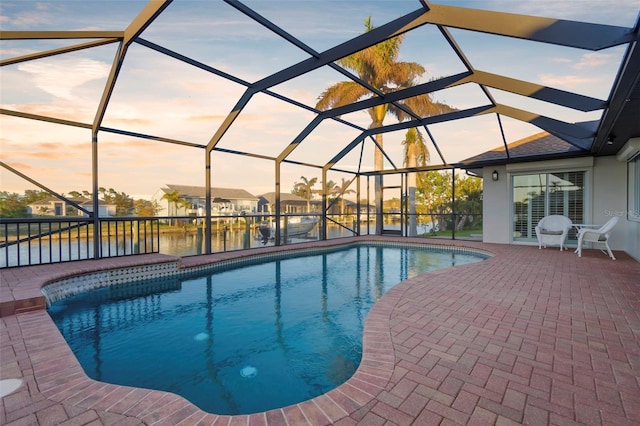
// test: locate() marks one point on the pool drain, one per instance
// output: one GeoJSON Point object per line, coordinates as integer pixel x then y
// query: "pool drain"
{"type": "Point", "coordinates": [249, 371]}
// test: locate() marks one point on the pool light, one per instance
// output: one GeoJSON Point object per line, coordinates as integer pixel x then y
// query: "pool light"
{"type": "Point", "coordinates": [249, 371]}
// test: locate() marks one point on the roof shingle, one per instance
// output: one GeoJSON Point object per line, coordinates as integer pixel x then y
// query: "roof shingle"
{"type": "Point", "coordinates": [535, 146]}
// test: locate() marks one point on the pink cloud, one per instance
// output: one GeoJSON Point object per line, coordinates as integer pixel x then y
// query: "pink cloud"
{"type": "Point", "coordinates": [566, 81]}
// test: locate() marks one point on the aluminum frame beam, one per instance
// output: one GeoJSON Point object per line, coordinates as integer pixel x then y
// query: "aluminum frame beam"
{"type": "Point", "coordinates": [627, 79]}
{"type": "Point", "coordinates": [59, 51]}
{"type": "Point", "coordinates": [582, 35]}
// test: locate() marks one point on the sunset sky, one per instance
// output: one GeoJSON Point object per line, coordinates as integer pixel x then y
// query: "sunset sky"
{"type": "Point", "coordinates": [157, 95]}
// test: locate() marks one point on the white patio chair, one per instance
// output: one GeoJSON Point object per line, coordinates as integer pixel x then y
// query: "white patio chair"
{"type": "Point", "coordinates": [553, 230]}
{"type": "Point", "coordinates": [598, 237]}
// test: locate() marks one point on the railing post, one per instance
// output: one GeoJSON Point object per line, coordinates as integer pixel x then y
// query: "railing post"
{"type": "Point", "coordinates": [97, 234]}
{"type": "Point", "coordinates": [224, 238]}
{"type": "Point", "coordinates": [246, 242]}
{"type": "Point", "coordinates": [453, 203]}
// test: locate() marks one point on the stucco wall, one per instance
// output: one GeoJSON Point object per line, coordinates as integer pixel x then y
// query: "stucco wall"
{"type": "Point", "coordinates": [496, 206]}
{"type": "Point", "coordinates": [633, 239]}
{"type": "Point", "coordinates": [610, 197]}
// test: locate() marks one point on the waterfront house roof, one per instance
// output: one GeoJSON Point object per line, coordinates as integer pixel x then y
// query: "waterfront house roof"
{"type": "Point", "coordinates": [81, 201]}
{"type": "Point", "coordinates": [216, 192]}
{"type": "Point", "coordinates": [539, 146]}
{"type": "Point", "coordinates": [270, 197]}
{"type": "Point", "coordinates": [49, 200]}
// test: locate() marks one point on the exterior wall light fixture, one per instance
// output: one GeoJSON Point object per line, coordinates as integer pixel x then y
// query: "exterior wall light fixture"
{"type": "Point", "coordinates": [495, 175]}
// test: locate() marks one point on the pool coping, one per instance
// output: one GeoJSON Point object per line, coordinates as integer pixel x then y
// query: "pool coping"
{"type": "Point", "coordinates": [60, 378]}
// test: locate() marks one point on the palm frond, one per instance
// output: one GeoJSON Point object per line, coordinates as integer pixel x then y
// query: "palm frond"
{"type": "Point", "coordinates": [342, 93]}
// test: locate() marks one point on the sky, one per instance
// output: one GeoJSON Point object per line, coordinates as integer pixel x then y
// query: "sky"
{"type": "Point", "coordinates": [159, 96]}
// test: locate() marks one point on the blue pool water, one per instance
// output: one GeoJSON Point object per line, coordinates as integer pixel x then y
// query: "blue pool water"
{"type": "Point", "coordinates": [242, 340]}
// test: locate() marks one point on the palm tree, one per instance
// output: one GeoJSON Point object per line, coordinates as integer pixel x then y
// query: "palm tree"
{"type": "Point", "coordinates": [331, 188]}
{"type": "Point", "coordinates": [304, 189]}
{"type": "Point", "coordinates": [379, 67]}
{"type": "Point", "coordinates": [341, 190]}
{"type": "Point", "coordinates": [468, 201]}
{"type": "Point", "coordinates": [176, 199]}
{"type": "Point", "coordinates": [416, 154]}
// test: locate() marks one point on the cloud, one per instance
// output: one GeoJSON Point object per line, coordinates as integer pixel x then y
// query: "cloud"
{"type": "Point", "coordinates": [23, 15]}
{"type": "Point", "coordinates": [566, 81]}
{"type": "Point", "coordinates": [27, 19]}
{"type": "Point", "coordinates": [207, 118]}
{"type": "Point", "coordinates": [20, 166]}
{"type": "Point", "coordinates": [132, 121]}
{"type": "Point", "coordinates": [60, 77]}
{"type": "Point", "coordinates": [592, 60]}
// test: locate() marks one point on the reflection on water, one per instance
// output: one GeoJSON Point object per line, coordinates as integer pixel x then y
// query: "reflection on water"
{"type": "Point", "coordinates": [238, 341]}
{"type": "Point", "coordinates": [188, 244]}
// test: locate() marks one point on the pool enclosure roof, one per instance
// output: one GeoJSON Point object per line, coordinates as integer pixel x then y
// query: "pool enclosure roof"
{"type": "Point", "coordinates": [240, 64]}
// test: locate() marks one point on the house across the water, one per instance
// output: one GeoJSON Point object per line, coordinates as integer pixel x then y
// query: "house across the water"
{"type": "Point", "coordinates": [192, 201]}
{"type": "Point", "coordinates": [53, 206]}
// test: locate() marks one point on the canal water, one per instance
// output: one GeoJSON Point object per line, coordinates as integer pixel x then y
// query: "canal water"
{"type": "Point", "coordinates": [177, 243]}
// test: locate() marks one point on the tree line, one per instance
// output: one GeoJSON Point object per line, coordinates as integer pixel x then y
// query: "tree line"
{"type": "Point", "coordinates": [432, 197]}
{"type": "Point", "coordinates": [14, 205]}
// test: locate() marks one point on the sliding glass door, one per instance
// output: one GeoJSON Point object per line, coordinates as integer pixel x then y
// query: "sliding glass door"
{"type": "Point", "coordinates": [538, 195]}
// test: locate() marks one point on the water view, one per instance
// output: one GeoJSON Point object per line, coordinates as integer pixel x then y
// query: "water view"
{"type": "Point", "coordinates": [175, 243]}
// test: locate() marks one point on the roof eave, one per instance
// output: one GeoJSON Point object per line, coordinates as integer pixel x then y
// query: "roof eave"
{"type": "Point", "coordinates": [523, 159]}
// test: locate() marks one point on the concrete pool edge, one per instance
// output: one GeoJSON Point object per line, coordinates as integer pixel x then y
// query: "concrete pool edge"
{"type": "Point", "coordinates": [59, 378]}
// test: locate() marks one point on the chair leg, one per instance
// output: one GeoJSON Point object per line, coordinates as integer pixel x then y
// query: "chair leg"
{"type": "Point", "coordinates": [579, 248]}
{"type": "Point", "coordinates": [609, 251]}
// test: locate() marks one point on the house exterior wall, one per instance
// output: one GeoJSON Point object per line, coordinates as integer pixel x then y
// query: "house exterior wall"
{"type": "Point", "coordinates": [197, 205]}
{"type": "Point", "coordinates": [163, 204]}
{"type": "Point", "coordinates": [610, 198]}
{"type": "Point", "coordinates": [59, 208]}
{"type": "Point", "coordinates": [606, 190]}
{"type": "Point", "coordinates": [633, 240]}
{"type": "Point", "coordinates": [104, 210]}
{"type": "Point", "coordinates": [633, 205]}
{"type": "Point", "coordinates": [496, 206]}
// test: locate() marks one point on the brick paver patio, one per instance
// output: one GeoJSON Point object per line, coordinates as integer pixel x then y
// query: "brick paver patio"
{"type": "Point", "coordinates": [527, 337]}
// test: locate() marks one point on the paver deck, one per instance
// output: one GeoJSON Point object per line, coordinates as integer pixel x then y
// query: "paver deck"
{"type": "Point", "coordinates": [527, 337]}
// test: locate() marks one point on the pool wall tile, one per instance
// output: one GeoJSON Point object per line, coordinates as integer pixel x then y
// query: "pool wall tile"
{"type": "Point", "coordinates": [72, 286]}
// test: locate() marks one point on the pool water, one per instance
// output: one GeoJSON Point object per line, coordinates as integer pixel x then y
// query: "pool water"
{"type": "Point", "coordinates": [242, 340]}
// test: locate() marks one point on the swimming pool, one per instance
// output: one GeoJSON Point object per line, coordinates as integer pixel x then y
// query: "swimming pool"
{"type": "Point", "coordinates": [237, 340]}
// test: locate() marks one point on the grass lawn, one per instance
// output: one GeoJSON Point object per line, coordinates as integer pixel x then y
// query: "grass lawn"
{"type": "Point", "coordinates": [462, 233]}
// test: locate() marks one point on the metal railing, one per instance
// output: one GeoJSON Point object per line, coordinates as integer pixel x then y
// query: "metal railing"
{"type": "Point", "coordinates": [443, 225]}
{"type": "Point", "coordinates": [51, 240]}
